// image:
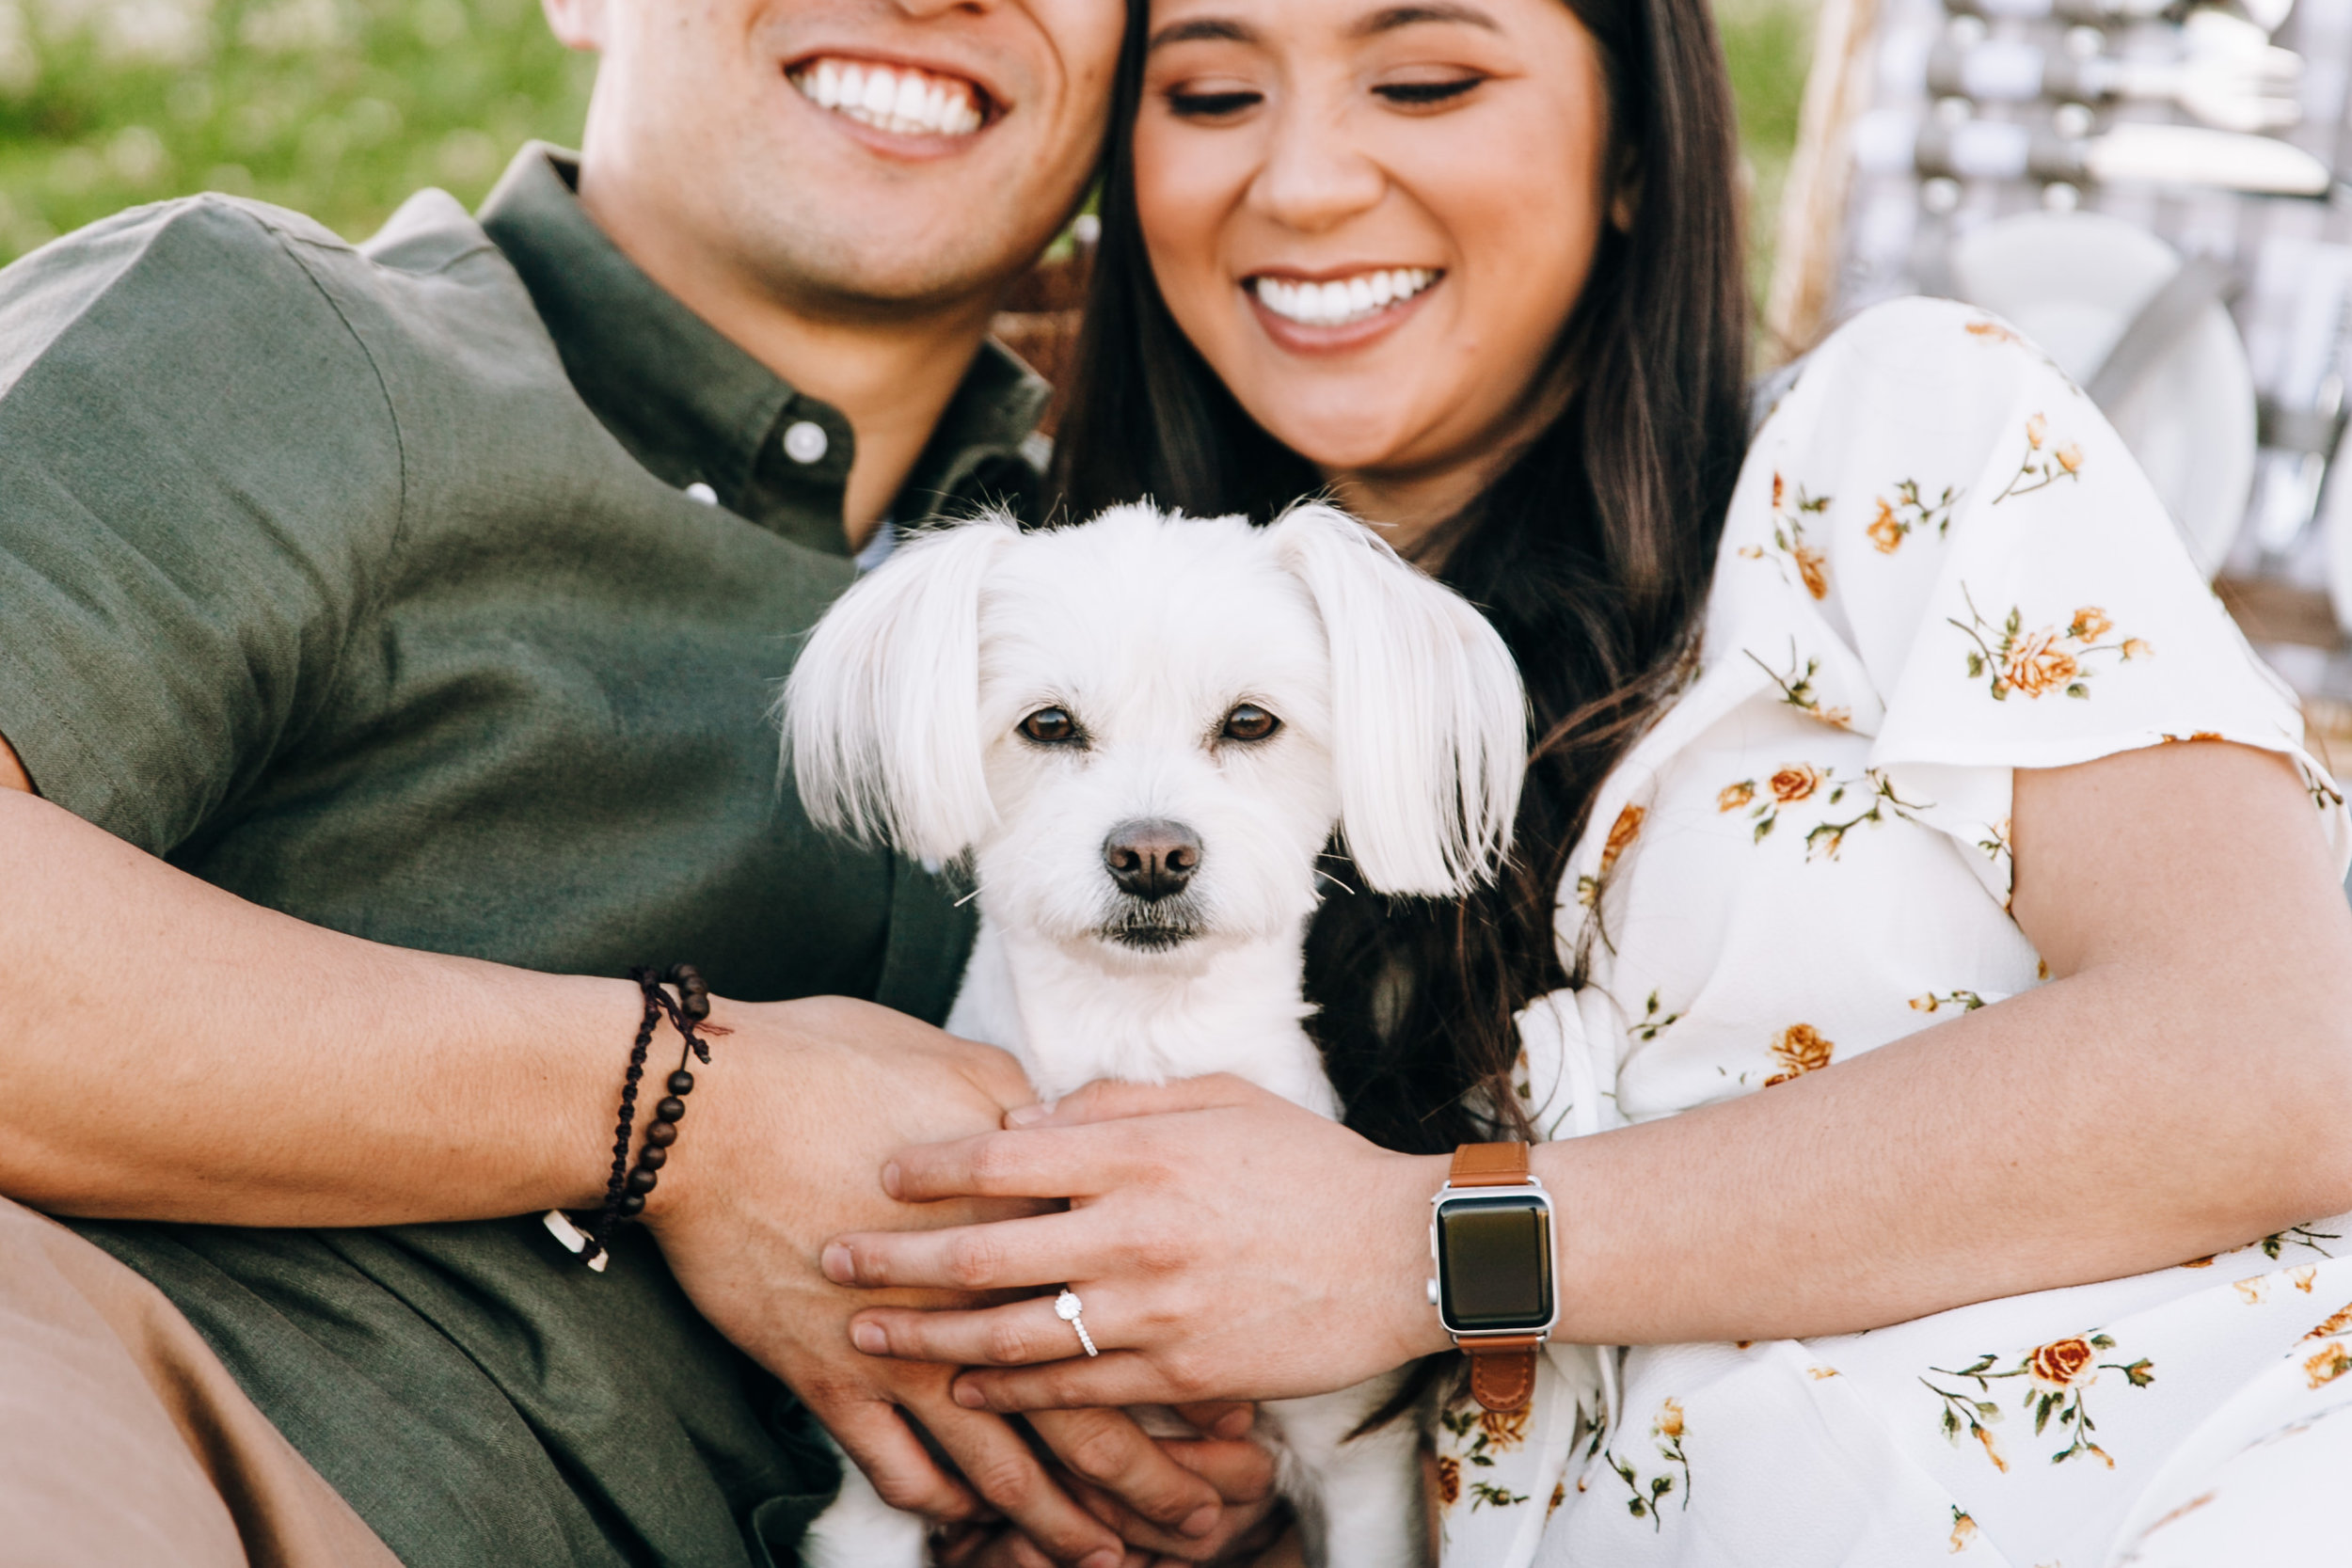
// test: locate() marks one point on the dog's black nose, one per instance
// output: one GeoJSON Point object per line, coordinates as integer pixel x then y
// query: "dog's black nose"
{"type": "Point", "coordinates": [1152, 858]}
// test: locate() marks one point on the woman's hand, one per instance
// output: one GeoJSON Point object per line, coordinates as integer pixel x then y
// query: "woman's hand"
{"type": "Point", "coordinates": [1226, 1244]}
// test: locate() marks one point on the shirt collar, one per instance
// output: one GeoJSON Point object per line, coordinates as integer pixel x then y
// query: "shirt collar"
{"type": "Point", "coordinates": [695, 409]}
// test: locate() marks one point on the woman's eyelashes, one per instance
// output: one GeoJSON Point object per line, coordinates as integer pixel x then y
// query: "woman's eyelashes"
{"type": "Point", "coordinates": [1212, 104]}
{"type": "Point", "coordinates": [1427, 94]}
{"type": "Point", "coordinates": [1203, 103]}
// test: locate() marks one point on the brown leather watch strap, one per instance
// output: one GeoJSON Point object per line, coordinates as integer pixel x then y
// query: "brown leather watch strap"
{"type": "Point", "coordinates": [1489, 1165]}
{"type": "Point", "coordinates": [1503, 1370]}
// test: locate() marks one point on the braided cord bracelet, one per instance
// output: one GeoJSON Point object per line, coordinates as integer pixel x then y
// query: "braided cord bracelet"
{"type": "Point", "coordinates": [625, 1193]}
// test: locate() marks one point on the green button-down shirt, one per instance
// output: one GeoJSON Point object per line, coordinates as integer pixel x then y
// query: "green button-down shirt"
{"type": "Point", "coordinates": [370, 584]}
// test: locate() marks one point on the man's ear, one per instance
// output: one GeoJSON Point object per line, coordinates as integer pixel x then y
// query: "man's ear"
{"type": "Point", "coordinates": [576, 24]}
{"type": "Point", "coordinates": [1429, 720]}
{"type": "Point", "coordinates": [881, 713]}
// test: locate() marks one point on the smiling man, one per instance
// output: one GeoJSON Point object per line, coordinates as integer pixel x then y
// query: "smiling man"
{"type": "Point", "coordinates": [388, 634]}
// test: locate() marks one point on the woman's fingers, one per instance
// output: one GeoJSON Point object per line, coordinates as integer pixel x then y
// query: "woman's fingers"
{"type": "Point", "coordinates": [1108, 1450]}
{"type": "Point", "coordinates": [1022, 1254]}
{"type": "Point", "coordinates": [1021, 1333]}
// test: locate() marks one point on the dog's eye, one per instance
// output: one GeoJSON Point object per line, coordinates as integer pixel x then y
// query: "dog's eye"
{"type": "Point", "coordinates": [1050, 726]}
{"type": "Point", "coordinates": [1249, 721]}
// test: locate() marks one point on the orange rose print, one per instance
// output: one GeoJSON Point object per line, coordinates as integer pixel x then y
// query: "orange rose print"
{"type": "Point", "coordinates": [2036, 471]}
{"type": "Point", "coordinates": [2140, 647]}
{"type": "Point", "coordinates": [1735, 796]}
{"type": "Point", "coordinates": [2037, 663]}
{"type": "Point", "coordinates": [1505, 1429]}
{"type": "Point", "coordinates": [1799, 1049]}
{"type": "Point", "coordinates": [1449, 1479]}
{"type": "Point", "coordinates": [1795, 782]}
{"type": "Point", "coordinates": [1813, 567]}
{"type": "Point", "coordinates": [2090, 624]}
{"type": "Point", "coordinates": [1963, 1531]}
{"type": "Point", "coordinates": [2335, 1324]}
{"type": "Point", "coordinates": [1669, 1422]}
{"type": "Point", "coordinates": [2057, 1365]}
{"type": "Point", "coordinates": [1621, 833]}
{"type": "Point", "coordinates": [2332, 1363]}
{"type": "Point", "coordinates": [1884, 531]}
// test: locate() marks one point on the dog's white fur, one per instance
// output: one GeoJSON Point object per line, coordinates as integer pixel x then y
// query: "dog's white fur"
{"type": "Point", "coordinates": [1403, 727]}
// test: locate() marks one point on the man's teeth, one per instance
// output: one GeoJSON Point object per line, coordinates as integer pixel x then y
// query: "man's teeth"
{"type": "Point", "coordinates": [900, 99]}
{"type": "Point", "coordinates": [1342, 301]}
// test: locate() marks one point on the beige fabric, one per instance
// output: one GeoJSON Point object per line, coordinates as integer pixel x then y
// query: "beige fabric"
{"type": "Point", "coordinates": [124, 1440]}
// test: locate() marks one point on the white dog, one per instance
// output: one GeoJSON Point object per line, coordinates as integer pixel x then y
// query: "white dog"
{"type": "Point", "coordinates": [1139, 735]}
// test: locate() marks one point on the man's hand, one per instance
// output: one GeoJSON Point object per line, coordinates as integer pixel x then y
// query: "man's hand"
{"type": "Point", "coordinates": [780, 1154]}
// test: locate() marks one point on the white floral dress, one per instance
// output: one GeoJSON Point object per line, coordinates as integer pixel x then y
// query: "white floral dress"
{"type": "Point", "coordinates": [1940, 564]}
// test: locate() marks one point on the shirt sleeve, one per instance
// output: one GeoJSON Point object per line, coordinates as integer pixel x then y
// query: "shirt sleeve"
{"type": "Point", "coordinates": [1981, 579]}
{"type": "Point", "coordinates": [197, 463]}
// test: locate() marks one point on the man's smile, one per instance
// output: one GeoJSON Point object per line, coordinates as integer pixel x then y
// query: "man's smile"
{"type": "Point", "coordinates": [901, 100]}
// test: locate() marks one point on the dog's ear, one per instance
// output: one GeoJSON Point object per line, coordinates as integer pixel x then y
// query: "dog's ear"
{"type": "Point", "coordinates": [881, 712]}
{"type": "Point", "coordinates": [1429, 718]}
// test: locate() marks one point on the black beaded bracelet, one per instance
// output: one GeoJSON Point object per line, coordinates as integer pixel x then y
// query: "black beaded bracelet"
{"type": "Point", "coordinates": [625, 1193]}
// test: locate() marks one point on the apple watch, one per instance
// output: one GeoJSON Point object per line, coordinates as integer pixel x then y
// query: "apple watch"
{"type": "Point", "coordinates": [1490, 1239]}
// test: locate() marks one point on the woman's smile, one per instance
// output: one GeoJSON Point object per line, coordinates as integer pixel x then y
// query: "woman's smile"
{"type": "Point", "coordinates": [1344, 309]}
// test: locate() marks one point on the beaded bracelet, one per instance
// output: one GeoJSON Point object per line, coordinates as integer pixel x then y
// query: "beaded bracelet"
{"type": "Point", "coordinates": [625, 1193]}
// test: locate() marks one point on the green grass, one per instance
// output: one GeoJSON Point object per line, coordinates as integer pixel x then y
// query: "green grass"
{"type": "Point", "coordinates": [340, 108]}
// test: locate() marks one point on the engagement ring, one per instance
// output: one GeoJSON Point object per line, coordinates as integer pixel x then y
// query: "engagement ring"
{"type": "Point", "coordinates": [1068, 1308]}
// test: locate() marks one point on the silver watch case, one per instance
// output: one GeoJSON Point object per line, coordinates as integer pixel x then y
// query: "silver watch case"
{"type": "Point", "coordinates": [1451, 1196]}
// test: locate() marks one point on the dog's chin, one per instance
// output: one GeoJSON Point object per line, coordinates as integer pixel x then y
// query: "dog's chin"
{"type": "Point", "coordinates": [1161, 928]}
{"type": "Point", "coordinates": [1149, 939]}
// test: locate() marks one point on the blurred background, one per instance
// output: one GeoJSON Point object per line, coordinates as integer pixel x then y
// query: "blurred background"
{"type": "Point", "coordinates": [340, 108]}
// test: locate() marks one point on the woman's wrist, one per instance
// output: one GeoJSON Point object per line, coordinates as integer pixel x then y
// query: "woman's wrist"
{"type": "Point", "coordinates": [1409, 1182]}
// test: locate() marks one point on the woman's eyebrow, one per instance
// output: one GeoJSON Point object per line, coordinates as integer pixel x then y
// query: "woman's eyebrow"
{"type": "Point", "coordinates": [1393, 16]}
{"type": "Point", "coordinates": [1215, 30]}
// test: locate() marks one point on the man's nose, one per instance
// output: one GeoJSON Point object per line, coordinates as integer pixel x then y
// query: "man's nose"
{"type": "Point", "coordinates": [1152, 857]}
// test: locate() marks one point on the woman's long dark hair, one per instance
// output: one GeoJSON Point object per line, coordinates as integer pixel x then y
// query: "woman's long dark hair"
{"type": "Point", "coordinates": [1591, 553]}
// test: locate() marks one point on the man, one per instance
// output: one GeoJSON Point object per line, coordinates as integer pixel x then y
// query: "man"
{"type": "Point", "coordinates": [386, 638]}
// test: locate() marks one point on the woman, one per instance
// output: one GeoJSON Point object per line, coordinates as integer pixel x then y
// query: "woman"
{"type": "Point", "coordinates": [1870, 963]}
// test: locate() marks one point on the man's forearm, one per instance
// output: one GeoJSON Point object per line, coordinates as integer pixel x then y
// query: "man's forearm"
{"type": "Point", "coordinates": [172, 1052]}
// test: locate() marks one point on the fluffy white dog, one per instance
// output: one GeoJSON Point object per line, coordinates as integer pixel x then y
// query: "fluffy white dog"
{"type": "Point", "coordinates": [1138, 735]}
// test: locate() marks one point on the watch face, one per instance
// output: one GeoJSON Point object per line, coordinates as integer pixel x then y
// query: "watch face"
{"type": "Point", "coordinates": [1494, 1264]}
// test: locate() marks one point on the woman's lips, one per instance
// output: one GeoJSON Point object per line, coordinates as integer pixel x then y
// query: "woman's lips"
{"type": "Point", "coordinates": [1328, 314]}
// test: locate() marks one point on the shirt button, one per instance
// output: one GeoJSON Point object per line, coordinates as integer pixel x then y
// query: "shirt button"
{"type": "Point", "coordinates": [698, 491]}
{"type": "Point", "coordinates": [805, 442]}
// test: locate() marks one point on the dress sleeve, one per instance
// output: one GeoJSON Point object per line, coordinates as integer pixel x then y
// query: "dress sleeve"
{"type": "Point", "coordinates": [1980, 578]}
{"type": "Point", "coordinates": [197, 464]}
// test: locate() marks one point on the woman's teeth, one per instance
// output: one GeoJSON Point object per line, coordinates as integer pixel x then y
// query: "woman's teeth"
{"type": "Point", "coordinates": [1343, 301]}
{"type": "Point", "coordinates": [900, 100]}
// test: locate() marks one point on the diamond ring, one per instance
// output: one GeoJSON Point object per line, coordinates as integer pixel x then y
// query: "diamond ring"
{"type": "Point", "coordinates": [1068, 1308]}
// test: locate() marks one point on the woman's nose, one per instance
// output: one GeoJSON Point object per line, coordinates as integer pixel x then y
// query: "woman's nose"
{"type": "Point", "coordinates": [1314, 178]}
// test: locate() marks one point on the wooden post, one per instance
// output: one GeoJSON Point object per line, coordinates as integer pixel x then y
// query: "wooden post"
{"type": "Point", "coordinates": [1813, 204]}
